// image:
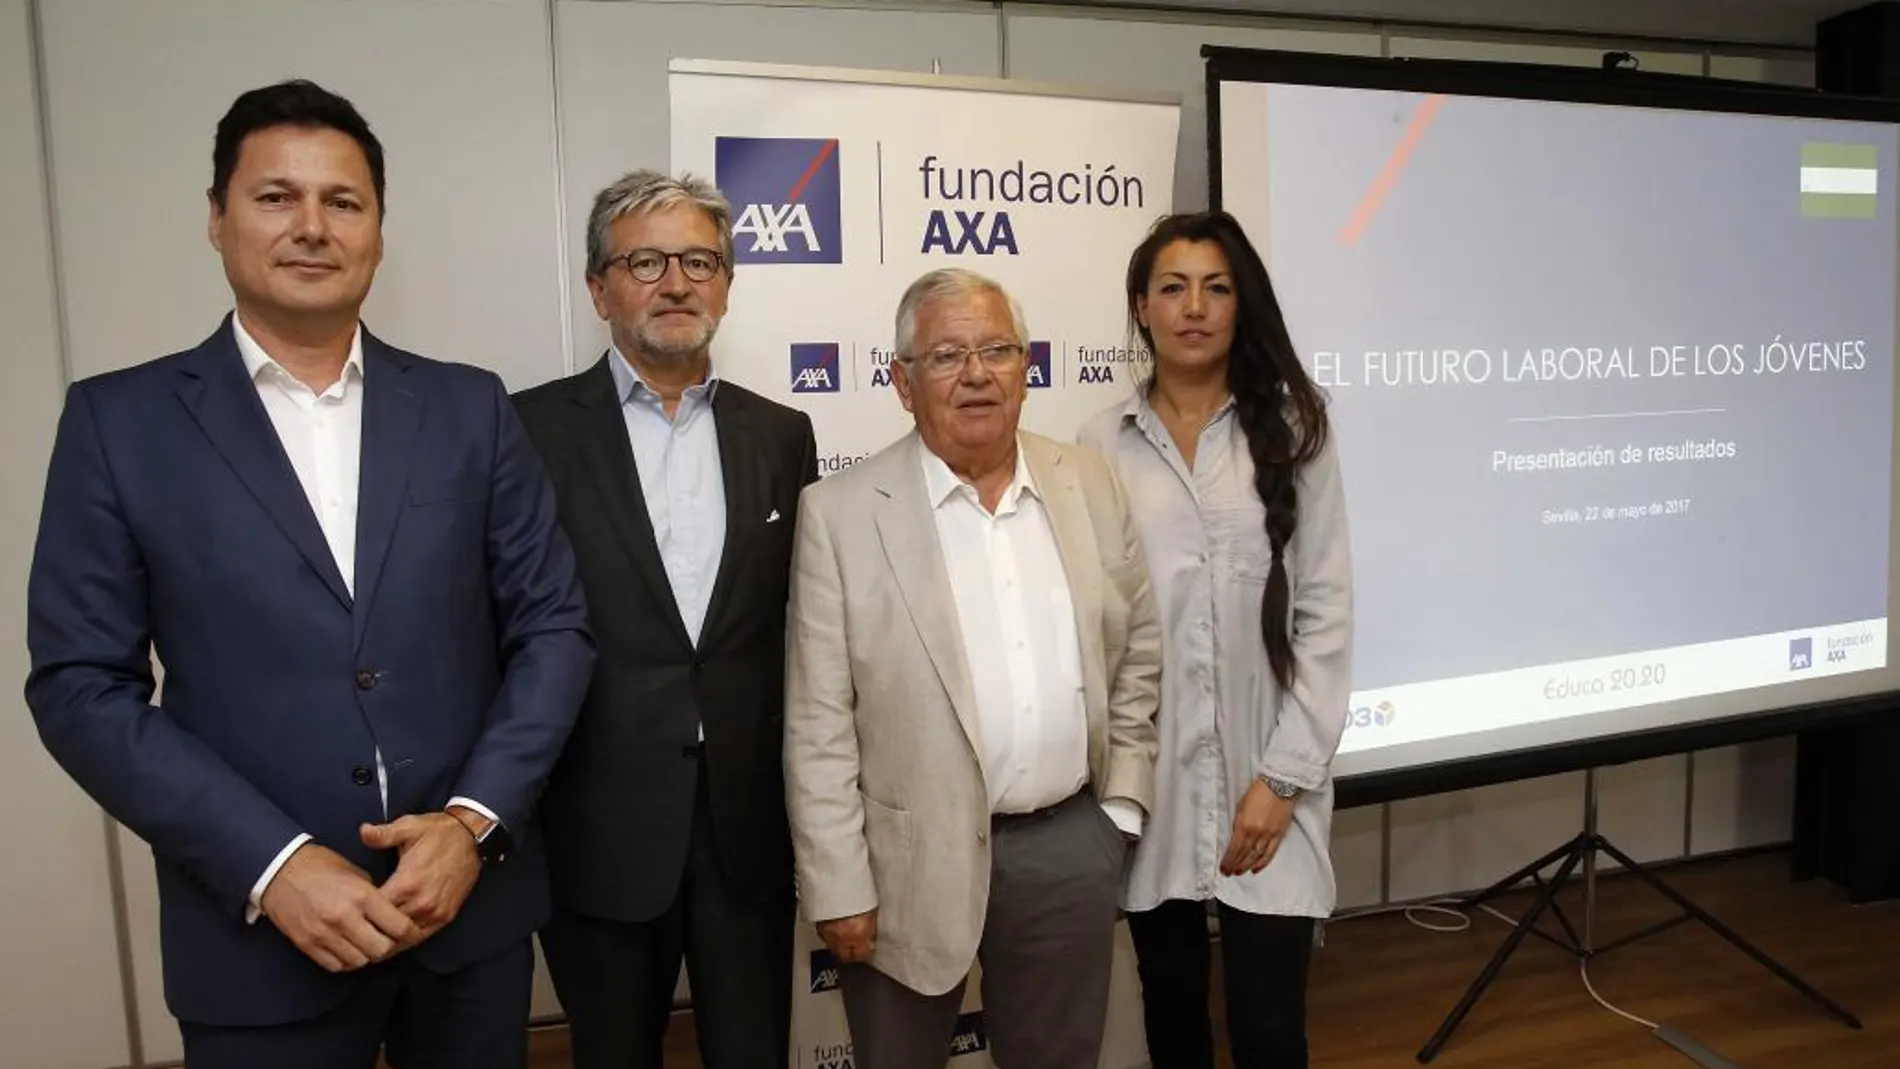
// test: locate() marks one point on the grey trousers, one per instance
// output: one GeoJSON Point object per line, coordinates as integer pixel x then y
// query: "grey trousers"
{"type": "Point", "coordinates": [1047, 952]}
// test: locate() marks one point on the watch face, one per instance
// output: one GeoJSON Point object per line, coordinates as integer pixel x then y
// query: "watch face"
{"type": "Point", "coordinates": [493, 844]}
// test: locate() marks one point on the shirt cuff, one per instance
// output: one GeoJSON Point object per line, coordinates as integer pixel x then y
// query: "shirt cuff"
{"type": "Point", "coordinates": [470, 803]}
{"type": "Point", "coordinates": [1126, 814]}
{"type": "Point", "coordinates": [256, 908]}
{"type": "Point", "coordinates": [1287, 768]}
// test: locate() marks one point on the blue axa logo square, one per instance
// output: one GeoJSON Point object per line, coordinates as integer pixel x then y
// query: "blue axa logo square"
{"type": "Point", "coordinates": [970, 1036]}
{"type": "Point", "coordinates": [1039, 364]}
{"type": "Point", "coordinates": [815, 367]}
{"type": "Point", "coordinates": [824, 971]}
{"type": "Point", "coordinates": [1800, 654]}
{"type": "Point", "coordinates": [785, 193]}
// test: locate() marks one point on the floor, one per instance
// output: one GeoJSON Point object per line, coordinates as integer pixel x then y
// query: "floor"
{"type": "Point", "coordinates": [1381, 985]}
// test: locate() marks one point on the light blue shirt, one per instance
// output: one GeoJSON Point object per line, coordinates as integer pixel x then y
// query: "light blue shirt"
{"type": "Point", "coordinates": [1223, 719]}
{"type": "Point", "coordinates": [683, 483]}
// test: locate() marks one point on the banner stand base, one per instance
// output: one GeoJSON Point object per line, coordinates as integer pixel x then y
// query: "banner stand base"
{"type": "Point", "coordinates": [1583, 850]}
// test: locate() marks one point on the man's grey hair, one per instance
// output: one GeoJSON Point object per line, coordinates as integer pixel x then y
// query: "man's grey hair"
{"type": "Point", "coordinates": [641, 191]}
{"type": "Point", "coordinates": [949, 282]}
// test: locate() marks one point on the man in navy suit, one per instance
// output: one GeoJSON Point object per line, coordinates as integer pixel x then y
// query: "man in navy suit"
{"type": "Point", "coordinates": [346, 558]}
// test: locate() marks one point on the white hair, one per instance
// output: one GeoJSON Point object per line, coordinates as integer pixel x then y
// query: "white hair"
{"type": "Point", "coordinates": [949, 282]}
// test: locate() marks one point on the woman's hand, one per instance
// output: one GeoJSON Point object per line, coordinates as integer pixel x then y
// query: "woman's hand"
{"type": "Point", "coordinates": [1260, 822]}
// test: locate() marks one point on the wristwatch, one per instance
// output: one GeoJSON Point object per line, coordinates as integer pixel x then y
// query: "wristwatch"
{"type": "Point", "coordinates": [1280, 788]}
{"type": "Point", "coordinates": [493, 844]}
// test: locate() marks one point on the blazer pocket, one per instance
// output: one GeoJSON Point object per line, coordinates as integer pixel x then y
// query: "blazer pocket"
{"type": "Point", "coordinates": [458, 490]}
{"type": "Point", "coordinates": [887, 834]}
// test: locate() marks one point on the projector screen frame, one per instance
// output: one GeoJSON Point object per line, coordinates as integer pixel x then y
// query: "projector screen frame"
{"type": "Point", "coordinates": [1623, 86]}
{"type": "Point", "coordinates": [1587, 85]}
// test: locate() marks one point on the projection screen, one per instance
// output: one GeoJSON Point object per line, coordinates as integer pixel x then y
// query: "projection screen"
{"type": "Point", "coordinates": [1609, 358]}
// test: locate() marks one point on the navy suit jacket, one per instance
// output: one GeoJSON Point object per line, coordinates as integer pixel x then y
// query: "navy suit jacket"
{"type": "Point", "coordinates": [174, 524]}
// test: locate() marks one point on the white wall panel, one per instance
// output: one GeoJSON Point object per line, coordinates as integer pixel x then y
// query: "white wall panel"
{"type": "Point", "coordinates": [1077, 49]}
{"type": "Point", "coordinates": [1792, 70]}
{"type": "Point", "coordinates": [59, 960]}
{"type": "Point", "coordinates": [1744, 797]}
{"type": "Point", "coordinates": [460, 94]}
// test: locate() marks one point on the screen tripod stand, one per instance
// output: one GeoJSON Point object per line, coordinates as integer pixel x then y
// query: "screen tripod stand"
{"type": "Point", "coordinates": [1582, 850]}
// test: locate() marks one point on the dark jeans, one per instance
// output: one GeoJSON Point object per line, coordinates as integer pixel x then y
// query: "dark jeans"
{"type": "Point", "coordinates": [1264, 962]}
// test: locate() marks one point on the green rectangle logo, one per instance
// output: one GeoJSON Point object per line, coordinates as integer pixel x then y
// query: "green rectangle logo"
{"type": "Point", "coordinates": [1839, 180]}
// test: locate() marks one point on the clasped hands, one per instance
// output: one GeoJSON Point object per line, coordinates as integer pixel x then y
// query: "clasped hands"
{"type": "Point", "coordinates": [343, 921]}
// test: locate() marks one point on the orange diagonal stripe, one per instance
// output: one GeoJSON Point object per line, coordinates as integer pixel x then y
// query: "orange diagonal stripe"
{"type": "Point", "coordinates": [1394, 166]}
{"type": "Point", "coordinates": [811, 171]}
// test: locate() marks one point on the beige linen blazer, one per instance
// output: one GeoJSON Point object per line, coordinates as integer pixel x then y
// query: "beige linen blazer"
{"type": "Point", "coordinates": [885, 788]}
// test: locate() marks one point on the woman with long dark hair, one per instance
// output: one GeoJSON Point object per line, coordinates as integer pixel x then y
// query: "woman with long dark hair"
{"type": "Point", "coordinates": [1230, 470]}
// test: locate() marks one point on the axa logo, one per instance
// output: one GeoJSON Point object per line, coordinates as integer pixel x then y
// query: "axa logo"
{"type": "Point", "coordinates": [787, 193]}
{"type": "Point", "coordinates": [815, 367]}
{"type": "Point", "coordinates": [970, 1036]}
{"type": "Point", "coordinates": [824, 971]}
{"type": "Point", "coordinates": [1039, 364]}
{"type": "Point", "coordinates": [1800, 654]}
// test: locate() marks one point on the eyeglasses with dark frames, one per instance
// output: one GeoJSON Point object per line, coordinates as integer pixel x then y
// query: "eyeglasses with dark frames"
{"type": "Point", "coordinates": [649, 265]}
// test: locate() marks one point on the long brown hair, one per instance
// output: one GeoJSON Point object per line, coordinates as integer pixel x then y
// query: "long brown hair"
{"type": "Point", "coordinates": [1279, 408]}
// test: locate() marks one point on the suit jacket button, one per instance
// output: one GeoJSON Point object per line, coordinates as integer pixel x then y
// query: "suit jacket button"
{"type": "Point", "coordinates": [360, 775]}
{"type": "Point", "coordinates": [365, 679]}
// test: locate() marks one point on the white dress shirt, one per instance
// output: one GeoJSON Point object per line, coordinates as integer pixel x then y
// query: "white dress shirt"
{"type": "Point", "coordinates": [322, 433]}
{"type": "Point", "coordinates": [1017, 622]}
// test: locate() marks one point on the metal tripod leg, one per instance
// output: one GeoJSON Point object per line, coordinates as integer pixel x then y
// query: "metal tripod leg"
{"type": "Point", "coordinates": [1728, 933]}
{"type": "Point", "coordinates": [1571, 855]}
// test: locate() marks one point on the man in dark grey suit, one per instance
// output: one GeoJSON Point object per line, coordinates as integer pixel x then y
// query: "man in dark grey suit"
{"type": "Point", "coordinates": [666, 825]}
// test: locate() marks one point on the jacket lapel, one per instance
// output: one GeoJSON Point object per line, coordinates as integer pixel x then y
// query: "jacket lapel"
{"type": "Point", "coordinates": [609, 458]}
{"type": "Point", "coordinates": [392, 421]}
{"type": "Point", "coordinates": [907, 529]}
{"type": "Point", "coordinates": [1068, 513]}
{"type": "Point", "coordinates": [742, 470]}
{"type": "Point", "coordinates": [224, 402]}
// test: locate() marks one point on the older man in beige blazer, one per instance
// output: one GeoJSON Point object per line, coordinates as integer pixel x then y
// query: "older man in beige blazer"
{"type": "Point", "coordinates": [969, 739]}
